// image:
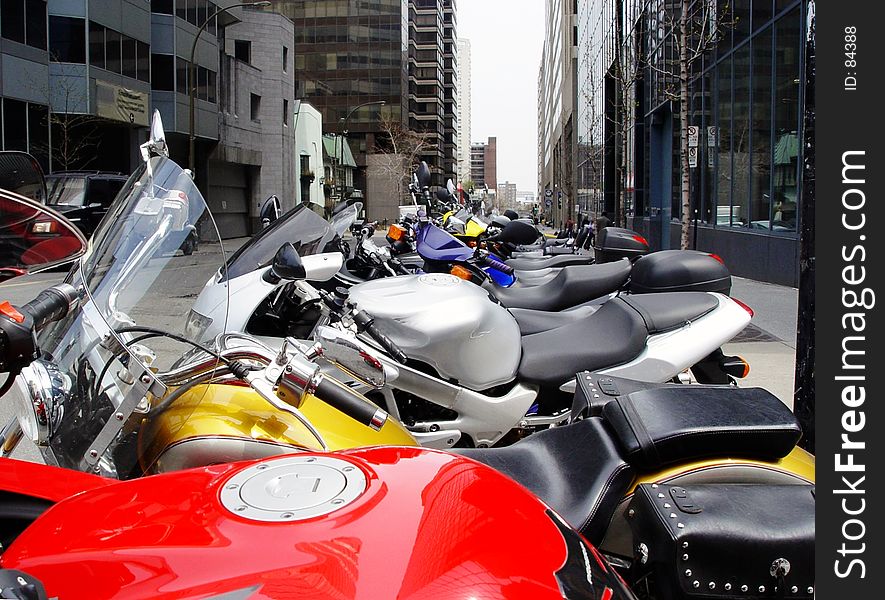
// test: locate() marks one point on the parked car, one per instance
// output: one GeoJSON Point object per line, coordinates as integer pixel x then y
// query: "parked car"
{"type": "Point", "coordinates": [83, 196]}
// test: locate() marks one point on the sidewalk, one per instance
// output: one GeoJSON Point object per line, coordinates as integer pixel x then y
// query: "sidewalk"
{"type": "Point", "coordinates": [769, 342]}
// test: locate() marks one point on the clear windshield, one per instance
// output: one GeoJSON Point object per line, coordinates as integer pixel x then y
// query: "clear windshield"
{"type": "Point", "coordinates": [342, 221]}
{"type": "Point", "coordinates": [305, 229]}
{"type": "Point", "coordinates": [137, 287]}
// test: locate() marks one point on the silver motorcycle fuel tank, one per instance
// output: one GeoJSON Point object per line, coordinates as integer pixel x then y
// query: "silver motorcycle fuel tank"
{"type": "Point", "coordinates": [446, 322]}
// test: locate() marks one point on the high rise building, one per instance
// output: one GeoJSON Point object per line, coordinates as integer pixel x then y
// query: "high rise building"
{"type": "Point", "coordinates": [506, 196]}
{"type": "Point", "coordinates": [484, 163]}
{"type": "Point", "coordinates": [557, 93]}
{"type": "Point", "coordinates": [347, 54]}
{"type": "Point", "coordinates": [433, 82]}
{"type": "Point", "coordinates": [464, 99]}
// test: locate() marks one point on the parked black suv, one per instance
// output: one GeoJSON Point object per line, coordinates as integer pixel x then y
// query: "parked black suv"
{"type": "Point", "coordinates": [83, 196]}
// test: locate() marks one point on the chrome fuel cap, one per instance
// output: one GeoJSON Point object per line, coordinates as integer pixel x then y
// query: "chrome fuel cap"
{"type": "Point", "coordinates": [293, 488]}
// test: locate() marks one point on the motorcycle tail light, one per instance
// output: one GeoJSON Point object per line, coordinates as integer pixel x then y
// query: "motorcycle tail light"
{"type": "Point", "coordinates": [395, 232]}
{"type": "Point", "coordinates": [640, 239]}
{"type": "Point", "coordinates": [717, 257]}
{"type": "Point", "coordinates": [459, 271]}
{"type": "Point", "coordinates": [44, 227]}
{"type": "Point", "coordinates": [745, 307]}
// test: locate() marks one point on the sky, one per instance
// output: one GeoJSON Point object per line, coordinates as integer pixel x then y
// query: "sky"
{"type": "Point", "coordinates": [506, 38]}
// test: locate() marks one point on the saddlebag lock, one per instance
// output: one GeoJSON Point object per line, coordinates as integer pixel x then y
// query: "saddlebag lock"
{"type": "Point", "coordinates": [726, 540]}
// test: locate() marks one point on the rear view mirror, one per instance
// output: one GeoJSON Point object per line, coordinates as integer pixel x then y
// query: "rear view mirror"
{"type": "Point", "coordinates": [442, 195]}
{"type": "Point", "coordinates": [423, 175]}
{"type": "Point", "coordinates": [21, 174]}
{"type": "Point", "coordinates": [33, 237]}
{"type": "Point", "coordinates": [286, 265]}
{"type": "Point", "coordinates": [450, 186]}
{"type": "Point", "coordinates": [518, 232]}
{"type": "Point", "coordinates": [270, 211]}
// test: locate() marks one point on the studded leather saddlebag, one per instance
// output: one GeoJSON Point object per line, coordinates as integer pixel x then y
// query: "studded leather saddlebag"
{"type": "Point", "coordinates": [725, 540]}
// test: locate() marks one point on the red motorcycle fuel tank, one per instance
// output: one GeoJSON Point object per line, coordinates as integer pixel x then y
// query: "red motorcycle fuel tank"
{"type": "Point", "coordinates": [374, 523]}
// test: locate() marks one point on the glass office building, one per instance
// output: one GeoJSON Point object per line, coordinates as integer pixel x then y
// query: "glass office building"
{"type": "Point", "coordinates": [745, 114]}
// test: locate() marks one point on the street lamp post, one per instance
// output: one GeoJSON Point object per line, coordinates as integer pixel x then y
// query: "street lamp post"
{"type": "Point", "coordinates": [191, 74]}
{"type": "Point", "coordinates": [340, 154]}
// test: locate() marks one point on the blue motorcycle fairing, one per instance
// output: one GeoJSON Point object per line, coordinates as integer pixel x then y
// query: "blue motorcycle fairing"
{"type": "Point", "coordinates": [437, 244]}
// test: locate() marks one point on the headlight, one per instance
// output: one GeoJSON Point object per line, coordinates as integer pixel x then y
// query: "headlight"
{"type": "Point", "coordinates": [196, 325]}
{"type": "Point", "coordinates": [38, 398]}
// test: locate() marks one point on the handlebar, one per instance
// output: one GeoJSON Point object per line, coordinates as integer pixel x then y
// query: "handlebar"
{"type": "Point", "coordinates": [351, 403]}
{"type": "Point", "coordinates": [51, 304]}
{"type": "Point", "coordinates": [488, 261]}
{"type": "Point", "coordinates": [365, 322]}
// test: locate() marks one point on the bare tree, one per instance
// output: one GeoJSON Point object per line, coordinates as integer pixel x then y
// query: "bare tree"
{"type": "Point", "coordinates": [694, 28]}
{"type": "Point", "coordinates": [75, 135]}
{"type": "Point", "coordinates": [402, 147]}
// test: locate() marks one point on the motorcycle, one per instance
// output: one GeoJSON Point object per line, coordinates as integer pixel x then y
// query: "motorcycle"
{"type": "Point", "coordinates": [758, 429]}
{"type": "Point", "coordinates": [109, 394]}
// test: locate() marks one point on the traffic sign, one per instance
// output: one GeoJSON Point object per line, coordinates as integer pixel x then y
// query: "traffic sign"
{"type": "Point", "coordinates": [548, 202]}
{"type": "Point", "coordinates": [548, 194]}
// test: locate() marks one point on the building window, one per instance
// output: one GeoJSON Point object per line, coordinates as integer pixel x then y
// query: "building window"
{"type": "Point", "coordinates": [67, 37]}
{"type": "Point", "coordinates": [285, 112]}
{"type": "Point", "coordinates": [113, 53]}
{"type": "Point", "coordinates": [130, 60]}
{"type": "Point", "coordinates": [255, 106]}
{"type": "Point", "coordinates": [181, 76]}
{"type": "Point", "coordinates": [163, 69]}
{"type": "Point", "coordinates": [16, 120]}
{"type": "Point", "coordinates": [243, 50]}
{"type": "Point", "coordinates": [285, 59]}
{"type": "Point", "coordinates": [96, 45]}
{"type": "Point", "coordinates": [144, 61]}
{"type": "Point", "coordinates": [38, 133]}
{"type": "Point", "coordinates": [35, 23]}
{"type": "Point", "coordinates": [12, 19]}
{"type": "Point", "coordinates": [163, 7]}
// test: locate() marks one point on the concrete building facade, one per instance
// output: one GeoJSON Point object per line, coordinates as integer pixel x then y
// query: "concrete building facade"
{"type": "Point", "coordinates": [464, 100]}
{"type": "Point", "coordinates": [79, 80]}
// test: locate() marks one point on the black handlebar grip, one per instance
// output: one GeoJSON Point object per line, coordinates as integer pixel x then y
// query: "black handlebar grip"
{"type": "Point", "coordinates": [351, 403]}
{"type": "Point", "coordinates": [50, 305]}
{"type": "Point", "coordinates": [488, 261]}
{"type": "Point", "coordinates": [387, 343]}
{"type": "Point", "coordinates": [366, 323]}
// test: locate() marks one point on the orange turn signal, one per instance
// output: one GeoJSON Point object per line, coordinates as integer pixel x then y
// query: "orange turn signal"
{"type": "Point", "coordinates": [459, 271]}
{"type": "Point", "coordinates": [395, 232]}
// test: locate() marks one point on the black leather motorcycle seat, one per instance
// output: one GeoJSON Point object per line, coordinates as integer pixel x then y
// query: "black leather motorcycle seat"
{"type": "Point", "coordinates": [534, 321]}
{"type": "Point", "coordinates": [571, 286]}
{"type": "Point", "coordinates": [671, 310]}
{"type": "Point", "coordinates": [576, 469]}
{"type": "Point", "coordinates": [549, 262]}
{"type": "Point", "coordinates": [612, 335]}
{"type": "Point", "coordinates": [661, 426]}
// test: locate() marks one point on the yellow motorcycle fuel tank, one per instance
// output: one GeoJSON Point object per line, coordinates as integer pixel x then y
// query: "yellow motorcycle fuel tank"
{"type": "Point", "coordinates": [223, 422]}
